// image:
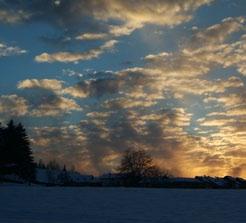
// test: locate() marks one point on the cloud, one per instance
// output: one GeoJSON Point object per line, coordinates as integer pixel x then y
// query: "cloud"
{"type": "Point", "coordinates": [228, 134]}
{"type": "Point", "coordinates": [127, 112]}
{"type": "Point", "coordinates": [214, 160]}
{"type": "Point", "coordinates": [99, 87]}
{"type": "Point", "coordinates": [176, 106]}
{"type": "Point", "coordinates": [129, 103]}
{"type": "Point", "coordinates": [238, 170]}
{"type": "Point", "coordinates": [215, 122]}
{"type": "Point", "coordinates": [218, 33]}
{"type": "Point", "coordinates": [55, 106]}
{"type": "Point", "coordinates": [98, 141]}
{"type": "Point", "coordinates": [50, 84]}
{"type": "Point", "coordinates": [238, 111]}
{"type": "Point", "coordinates": [67, 57]}
{"type": "Point", "coordinates": [13, 105]}
{"type": "Point", "coordinates": [204, 51]}
{"type": "Point", "coordinates": [228, 100]}
{"type": "Point", "coordinates": [236, 153]}
{"type": "Point", "coordinates": [118, 17]}
{"type": "Point", "coordinates": [135, 15]}
{"type": "Point", "coordinates": [117, 129]}
{"type": "Point", "coordinates": [158, 82]}
{"type": "Point", "coordinates": [13, 16]}
{"type": "Point", "coordinates": [91, 36]}
{"type": "Point", "coordinates": [6, 50]}
{"type": "Point", "coordinates": [46, 98]}
{"type": "Point", "coordinates": [41, 102]}
{"type": "Point", "coordinates": [44, 140]}
{"type": "Point", "coordinates": [80, 90]}
{"type": "Point", "coordinates": [183, 76]}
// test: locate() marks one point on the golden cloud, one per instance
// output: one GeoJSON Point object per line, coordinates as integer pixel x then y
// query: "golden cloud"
{"type": "Point", "coordinates": [13, 105]}
{"type": "Point", "coordinates": [67, 57]}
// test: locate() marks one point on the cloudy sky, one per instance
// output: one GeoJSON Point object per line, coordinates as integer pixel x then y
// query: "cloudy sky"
{"type": "Point", "coordinates": [91, 78]}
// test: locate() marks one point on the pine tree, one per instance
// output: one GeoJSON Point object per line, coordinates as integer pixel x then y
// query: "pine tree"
{"type": "Point", "coordinates": [16, 154]}
{"type": "Point", "coordinates": [64, 177]}
{"type": "Point", "coordinates": [41, 164]}
{"type": "Point", "coordinates": [1, 152]}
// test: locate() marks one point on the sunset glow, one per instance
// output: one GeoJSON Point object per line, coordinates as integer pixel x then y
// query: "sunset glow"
{"type": "Point", "coordinates": [91, 78]}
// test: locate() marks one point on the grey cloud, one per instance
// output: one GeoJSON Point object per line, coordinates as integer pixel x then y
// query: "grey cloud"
{"type": "Point", "coordinates": [47, 100]}
{"type": "Point", "coordinates": [97, 15]}
{"type": "Point", "coordinates": [95, 88]}
{"type": "Point", "coordinates": [237, 171]}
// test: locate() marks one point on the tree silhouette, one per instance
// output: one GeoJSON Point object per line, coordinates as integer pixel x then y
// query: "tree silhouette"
{"type": "Point", "coordinates": [136, 165]}
{"type": "Point", "coordinates": [64, 178]}
{"type": "Point", "coordinates": [53, 165]}
{"type": "Point", "coordinates": [1, 153]}
{"type": "Point", "coordinates": [41, 164]}
{"type": "Point", "coordinates": [16, 155]}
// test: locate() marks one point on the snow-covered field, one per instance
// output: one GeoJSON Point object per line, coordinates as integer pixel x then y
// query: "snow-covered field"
{"type": "Point", "coordinates": [23, 204]}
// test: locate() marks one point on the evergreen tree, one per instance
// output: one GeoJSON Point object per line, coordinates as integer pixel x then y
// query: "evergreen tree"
{"type": "Point", "coordinates": [53, 165]}
{"type": "Point", "coordinates": [64, 177]}
{"type": "Point", "coordinates": [1, 152]}
{"type": "Point", "coordinates": [16, 154]}
{"type": "Point", "coordinates": [41, 164]}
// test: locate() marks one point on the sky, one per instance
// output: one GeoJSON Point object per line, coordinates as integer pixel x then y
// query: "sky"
{"type": "Point", "coordinates": [92, 78]}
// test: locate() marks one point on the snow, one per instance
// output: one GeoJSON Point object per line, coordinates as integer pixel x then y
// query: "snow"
{"type": "Point", "coordinates": [37, 204]}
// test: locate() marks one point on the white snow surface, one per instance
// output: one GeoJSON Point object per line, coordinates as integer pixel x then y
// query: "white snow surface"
{"type": "Point", "coordinates": [37, 204]}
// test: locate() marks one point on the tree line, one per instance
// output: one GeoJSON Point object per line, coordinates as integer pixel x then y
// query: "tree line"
{"type": "Point", "coordinates": [136, 168]}
{"type": "Point", "coordinates": [16, 158]}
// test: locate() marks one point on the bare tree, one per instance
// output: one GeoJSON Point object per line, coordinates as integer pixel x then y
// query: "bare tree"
{"type": "Point", "coordinates": [137, 164]}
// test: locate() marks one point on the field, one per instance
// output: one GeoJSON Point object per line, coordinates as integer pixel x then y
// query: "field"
{"type": "Point", "coordinates": [23, 204]}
